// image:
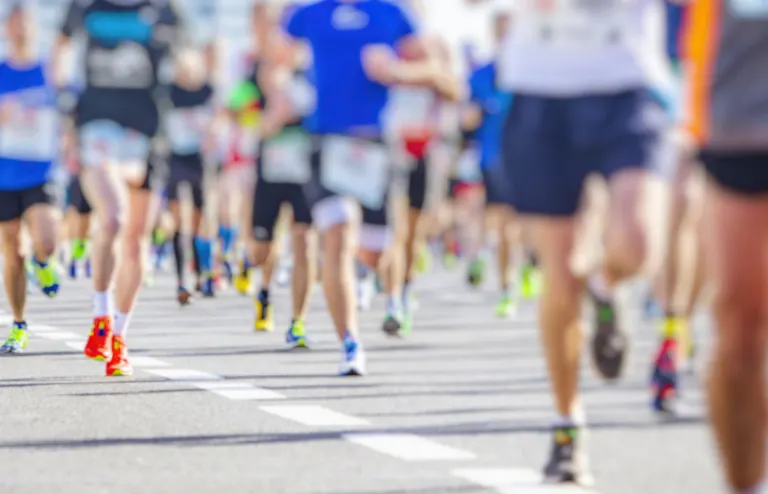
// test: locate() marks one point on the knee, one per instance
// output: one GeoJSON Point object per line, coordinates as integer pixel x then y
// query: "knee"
{"type": "Point", "coordinates": [260, 253]}
{"type": "Point", "coordinates": [132, 246]}
{"type": "Point", "coordinates": [626, 247]}
{"type": "Point", "coordinates": [111, 223]}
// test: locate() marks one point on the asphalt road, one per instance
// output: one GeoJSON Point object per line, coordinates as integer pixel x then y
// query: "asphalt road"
{"type": "Point", "coordinates": [461, 406]}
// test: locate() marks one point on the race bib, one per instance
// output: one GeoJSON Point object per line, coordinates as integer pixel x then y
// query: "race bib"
{"type": "Point", "coordinates": [186, 129]}
{"type": "Point", "coordinates": [29, 133]}
{"type": "Point", "coordinates": [285, 159]}
{"type": "Point", "coordinates": [411, 108]}
{"type": "Point", "coordinates": [356, 168]}
{"type": "Point", "coordinates": [749, 9]}
{"type": "Point", "coordinates": [468, 166]}
{"type": "Point", "coordinates": [583, 24]}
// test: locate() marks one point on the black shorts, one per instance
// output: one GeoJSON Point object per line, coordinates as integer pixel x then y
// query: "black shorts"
{"type": "Point", "coordinates": [417, 185]}
{"type": "Point", "coordinates": [268, 200]}
{"type": "Point", "coordinates": [315, 191]}
{"type": "Point", "coordinates": [186, 169]}
{"type": "Point", "coordinates": [77, 199]}
{"type": "Point", "coordinates": [14, 203]}
{"type": "Point", "coordinates": [744, 173]}
{"type": "Point", "coordinates": [495, 184]}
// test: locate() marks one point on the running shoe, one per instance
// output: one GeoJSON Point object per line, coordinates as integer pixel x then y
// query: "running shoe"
{"type": "Point", "coordinates": [529, 282]}
{"type": "Point", "coordinates": [664, 378]}
{"type": "Point", "coordinates": [263, 321]}
{"type": "Point", "coordinates": [207, 288]}
{"type": "Point", "coordinates": [118, 365]}
{"type": "Point", "coordinates": [88, 268]}
{"type": "Point", "coordinates": [506, 306]}
{"type": "Point", "coordinates": [423, 260]}
{"type": "Point", "coordinates": [609, 341]}
{"type": "Point", "coordinates": [392, 323]}
{"type": "Point", "coordinates": [476, 272]}
{"type": "Point", "coordinates": [296, 336]}
{"type": "Point", "coordinates": [352, 358]}
{"type": "Point", "coordinates": [183, 296]}
{"type": "Point", "coordinates": [283, 275]}
{"type": "Point", "coordinates": [99, 345]}
{"type": "Point", "coordinates": [450, 260]}
{"type": "Point", "coordinates": [242, 281]}
{"type": "Point", "coordinates": [568, 458]}
{"type": "Point", "coordinates": [72, 269]}
{"type": "Point", "coordinates": [46, 277]}
{"type": "Point", "coordinates": [18, 339]}
{"type": "Point", "coordinates": [227, 271]}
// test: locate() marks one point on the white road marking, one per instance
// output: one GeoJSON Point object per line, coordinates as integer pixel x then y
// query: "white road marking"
{"type": "Point", "coordinates": [238, 391]}
{"type": "Point", "coordinates": [184, 374]}
{"type": "Point", "coordinates": [78, 345]}
{"type": "Point", "coordinates": [515, 481]}
{"type": "Point", "coordinates": [314, 415]}
{"type": "Point", "coordinates": [56, 335]}
{"type": "Point", "coordinates": [34, 327]}
{"type": "Point", "coordinates": [148, 362]}
{"type": "Point", "coordinates": [409, 447]}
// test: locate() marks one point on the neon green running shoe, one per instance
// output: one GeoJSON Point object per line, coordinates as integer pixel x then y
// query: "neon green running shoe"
{"type": "Point", "coordinates": [18, 339]}
{"type": "Point", "coordinates": [46, 277]}
{"type": "Point", "coordinates": [506, 306]}
{"type": "Point", "coordinates": [530, 282]}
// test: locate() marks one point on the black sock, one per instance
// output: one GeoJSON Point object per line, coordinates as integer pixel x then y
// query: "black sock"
{"type": "Point", "coordinates": [264, 296]}
{"type": "Point", "coordinates": [178, 256]}
{"type": "Point", "coordinates": [196, 262]}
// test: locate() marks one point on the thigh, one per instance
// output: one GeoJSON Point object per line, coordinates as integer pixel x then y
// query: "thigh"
{"type": "Point", "coordinates": [545, 177]}
{"type": "Point", "coordinates": [294, 194]}
{"type": "Point", "coordinates": [39, 198]}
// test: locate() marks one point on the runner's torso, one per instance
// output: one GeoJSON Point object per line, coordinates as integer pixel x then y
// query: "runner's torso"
{"type": "Point", "coordinates": [187, 122]}
{"type": "Point", "coordinates": [29, 143]}
{"type": "Point", "coordinates": [571, 47]}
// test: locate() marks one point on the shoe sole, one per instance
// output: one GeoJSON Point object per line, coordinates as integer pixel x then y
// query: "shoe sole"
{"type": "Point", "coordinates": [391, 327]}
{"type": "Point", "coordinates": [120, 373]}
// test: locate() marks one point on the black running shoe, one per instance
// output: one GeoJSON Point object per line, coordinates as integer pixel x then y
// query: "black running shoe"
{"type": "Point", "coordinates": [568, 459]}
{"type": "Point", "coordinates": [609, 341]}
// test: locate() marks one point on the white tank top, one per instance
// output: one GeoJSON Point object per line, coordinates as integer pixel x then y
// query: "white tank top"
{"type": "Point", "coordinates": [572, 47]}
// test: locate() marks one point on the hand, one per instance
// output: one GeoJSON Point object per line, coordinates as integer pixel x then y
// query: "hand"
{"type": "Point", "coordinates": [378, 63]}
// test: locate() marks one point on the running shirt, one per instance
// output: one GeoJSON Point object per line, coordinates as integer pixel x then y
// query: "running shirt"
{"type": "Point", "coordinates": [126, 43]}
{"type": "Point", "coordinates": [348, 102]}
{"type": "Point", "coordinates": [188, 121]}
{"type": "Point", "coordinates": [726, 45]}
{"type": "Point", "coordinates": [494, 104]}
{"type": "Point", "coordinates": [573, 47]}
{"type": "Point", "coordinates": [29, 127]}
{"type": "Point", "coordinates": [413, 114]}
{"type": "Point", "coordinates": [246, 102]}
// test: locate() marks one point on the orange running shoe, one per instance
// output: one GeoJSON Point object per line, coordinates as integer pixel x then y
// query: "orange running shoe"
{"type": "Point", "coordinates": [119, 365]}
{"type": "Point", "coordinates": [99, 345]}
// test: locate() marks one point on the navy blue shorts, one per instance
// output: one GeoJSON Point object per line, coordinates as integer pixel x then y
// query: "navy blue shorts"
{"type": "Point", "coordinates": [550, 145]}
{"type": "Point", "coordinates": [496, 185]}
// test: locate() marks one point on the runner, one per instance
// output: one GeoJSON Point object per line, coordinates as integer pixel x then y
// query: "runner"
{"type": "Point", "coordinates": [283, 169]}
{"type": "Point", "coordinates": [352, 45]}
{"type": "Point", "coordinates": [126, 40]}
{"type": "Point", "coordinates": [29, 144]}
{"type": "Point", "coordinates": [188, 135]}
{"type": "Point", "coordinates": [726, 44]}
{"type": "Point", "coordinates": [485, 115]}
{"type": "Point", "coordinates": [579, 73]}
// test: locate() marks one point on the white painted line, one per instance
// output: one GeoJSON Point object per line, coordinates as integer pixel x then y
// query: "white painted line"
{"type": "Point", "coordinates": [42, 327]}
{"type": "Point", "coordinates": [51, 335]}
{"type": "Point", "coordinates": [238, 391]}
{"type": "Point", "coordinates": [184, 374]}
{"type": "Point", "coordinates": [314, 415]}
{"type": "Point", "coordinates": [515, 481]}
{"type": "Point", "coordinates": [409, 447]}
{"type": "Point", "coordinates": [148, 362]}
{"type": "Point", "coordinates": [76, 345]}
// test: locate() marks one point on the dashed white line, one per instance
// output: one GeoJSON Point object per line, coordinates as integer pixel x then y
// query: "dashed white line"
{"type": "Point", "coordinates": [409, 447]}
{"type": "Point", "coordinates": [315, 415]}
{"type": "Point", "coordinates": [76, 345]}
{"type": "Point", "coordinates": [56, 335]}
{"type": "Point", "coordinates": [515, 481]}
{"type": "Point", "coordinates": [238, 391]}
{"type": "Point", "coordinates": [143, 361]}
{"type": "Point", "coordinates": [184, 374]}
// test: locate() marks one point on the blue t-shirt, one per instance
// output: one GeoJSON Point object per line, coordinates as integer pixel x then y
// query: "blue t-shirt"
{"type": "Point", "coordinates": [29, 136]}
{"type": "Point", "coordinates": [348, 102]}
{"type": "Point", "coordinates": [494, 103]}
{"type": "Point", "coordinates": [675, 22]}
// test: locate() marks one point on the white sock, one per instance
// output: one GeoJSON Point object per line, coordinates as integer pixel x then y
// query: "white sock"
{"type": "Point", "coordinates": [393, 305]}
{"type": "Point", "coordinates": [600, 287]}
{"type": "Point", "coordinates": [120, 324]}
{"type": "Point", "coordinates": [102, 304]}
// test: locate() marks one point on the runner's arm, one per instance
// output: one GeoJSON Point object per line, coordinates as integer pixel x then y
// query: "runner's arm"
{"type": "Point", "coordinates": [73, 23]}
